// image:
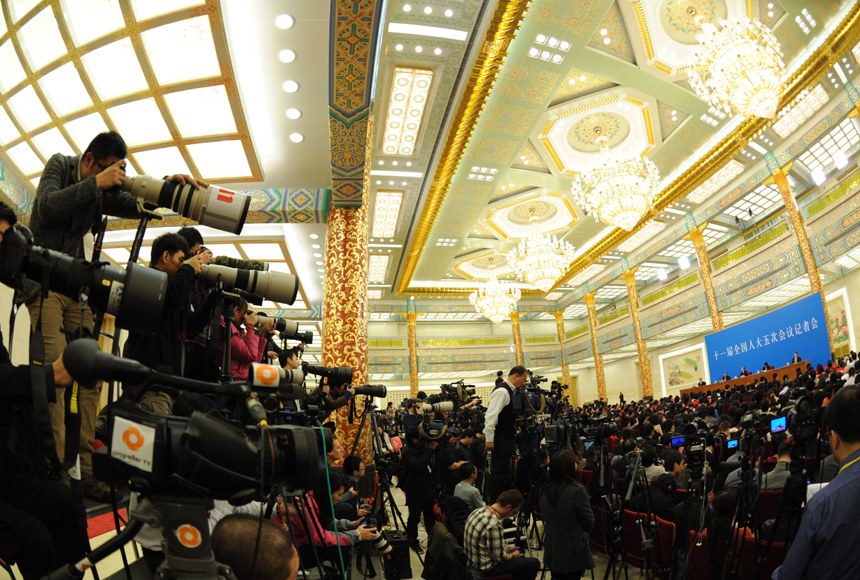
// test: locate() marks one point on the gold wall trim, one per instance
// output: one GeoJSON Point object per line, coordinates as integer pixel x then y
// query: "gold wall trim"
{"type": "Point", "coordinates": [843, 38]}
{"type": "Point", "coordinates": [553, 154]}
{"type": "Point", "coordinates": [425, 292]}
{"type": "Point", "coordinates": [503, 27]}
{"type": "Point", "coordinates": [749, 8]}
{"type": "Point", "coordinates": [643, 29]}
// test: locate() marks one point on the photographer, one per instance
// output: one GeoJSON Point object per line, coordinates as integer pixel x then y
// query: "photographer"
{"type": "Point", "coordinates": [462, 449]}
{"type": "Point", "coordinates": [200, 352]}
{"type": "Point", "coordinates": [38, 526]}
{"type": "Point", "coordinates": [324, 396]}
{"type": "Point", "coordinates": [499, 429]}
{"type": "Point", "coordinates": [418, 484]}
{"type": "Point", "coordinates": [413, 415]}
{"type": "Point", "coordinates": [289, 359]}
{"type": "Point", "coordinates": [73, 193]}
{"type": "Point", "coordinates": [164, 351]}
{"type": "Point", "coordinates": [248, 342]}
{"type": "Point", "coordinates": [451, 476]}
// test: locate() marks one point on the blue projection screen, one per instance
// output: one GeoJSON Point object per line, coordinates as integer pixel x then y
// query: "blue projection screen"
{"type": "Point", "coordinates": [773, 338]}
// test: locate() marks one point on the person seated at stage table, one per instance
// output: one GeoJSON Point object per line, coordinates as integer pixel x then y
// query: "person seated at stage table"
{"type": "Point", "coordinates": [744, 372]}
{"type": "Point", "coordinates": [702, 383]}
{"type": "Point", "coordinates": [795, 359]}
{"type": "Point", "coordinates": [726, 377]}
{"type": "Point", "coordinates": [766, 367]}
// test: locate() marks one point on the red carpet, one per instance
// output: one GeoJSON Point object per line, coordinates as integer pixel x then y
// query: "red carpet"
{"type": "Point", "coordinates": [102, 524]}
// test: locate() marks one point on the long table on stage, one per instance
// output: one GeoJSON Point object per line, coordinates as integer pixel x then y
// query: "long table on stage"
{"type": "Point", "coordinates": [790, 370]}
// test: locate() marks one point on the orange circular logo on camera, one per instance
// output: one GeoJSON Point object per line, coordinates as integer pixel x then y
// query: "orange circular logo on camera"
{"type": "Point", "coordinates": [188, 535]}
{"type": "Point", "coordinates": [133, 438]}
{"type": "Point", "coordinates": [267, 375]}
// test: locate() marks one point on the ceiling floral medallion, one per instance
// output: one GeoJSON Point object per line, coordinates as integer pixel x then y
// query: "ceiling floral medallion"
{"type": "Point", "coordinates": [677, 17]}
{"type": "Point", "coordinates": [583, 130]}
{"type": "Point", "coordinates": [495, 260]}
{"type": "Point", "coordinates": [525, 211]}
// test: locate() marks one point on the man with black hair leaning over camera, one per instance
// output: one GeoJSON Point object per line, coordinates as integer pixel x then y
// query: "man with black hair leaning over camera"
{"type": "Point", "coordinates": [828, 529]}
{"type": "Point", "coordinates": [163, 352]}
{"type": "Point", "coordinates": [418, 484]}
{"type": "Point", "coordinates": [73, 193]}
{"type": "Point", "coordinates": [500, 428]}
{"type": "Point", "coordinates": [324, 396]}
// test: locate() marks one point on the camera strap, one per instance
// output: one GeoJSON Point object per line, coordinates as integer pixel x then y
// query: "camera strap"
{"type": "Point", "coordinates": [41, 397]}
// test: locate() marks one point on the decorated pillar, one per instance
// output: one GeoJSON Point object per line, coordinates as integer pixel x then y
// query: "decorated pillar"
{"type": "Point", "coordinates": [799, 228]}
{"type": "Point", "coordinates": [412, 339]}
{"type": "Point", "coordinates": [641, 347]}
{"type": "Point", "coordinates": [518, 338]}
{"type": "Point", "coordinates": [598, 358]}
{"type": "Point", "coordinates": [345, 304]}
{"type": "Point", "coordinates": [853, 95]}
{"type": "Point", "coordinates": [705, 272]}
{"type": "Point", "coordinates": [565, 368]}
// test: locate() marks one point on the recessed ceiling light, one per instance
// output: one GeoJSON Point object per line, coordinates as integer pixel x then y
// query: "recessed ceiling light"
{"type": "Point", "coordinates": [293, 113]}
{"type": "Point", "coordinates": [286, 55]}
{"type": "Point", "coordinates": [428, 10]}
{"type": "Point", "coordinates": [315, 246]}
{"type": "Point", "coordinates": [317, 255]}
{"type": "Point", "coordinates": [437, 51]}
{"type": "Point", "coordinates": [449, 13]}
{"type": "Point", "coordinates": [403, 183]}
{"type": "Point", "coordinates": [320, 270]}
{"type": "Point", "coordinates": [408, 164]}
{"type": "Point", "coordinates": [394, 163]}
{"type": "Point", "coordinates": [582, 77]}
{"type": "Point", "coordinates": [314, 236]}
{"type": "Point", "coordinates": [418, 49]}
{"type": "Point", "coordinates": [407, 7]}
{"type": "Point", "coordinates": [319, 263]}
{"type": "Point", "coordinates": [398, 47]}
{"type": "Point", "coordinates": [571, 81]}
{"type": "Point", "coordinates": [297, 137]}
{"type": "Point", "coordinates": [290, 86]}
{"type": "Point", "coordinates": [378, 182]}
{"type": "Point", "coordinates": [284, 21]}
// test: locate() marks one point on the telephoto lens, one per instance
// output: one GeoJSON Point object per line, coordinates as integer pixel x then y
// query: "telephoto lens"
{"type": "Point", "coordinates": [241, 264]}
{"type": "Point", "coordinates": [379, 542]}
{"type": "Point", "coordinates": [274, 286]}
{"type": "Point", "coordinates": [213, 206]}
{"type": "Point", "coordinates": [289, 329]}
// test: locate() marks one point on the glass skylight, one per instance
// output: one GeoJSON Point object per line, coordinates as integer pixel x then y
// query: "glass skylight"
{"type": "Point", "coordinates": [154, 73]}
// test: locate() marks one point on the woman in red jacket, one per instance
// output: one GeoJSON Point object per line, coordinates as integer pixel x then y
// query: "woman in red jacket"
{"type": "Point", "coordinates": [248, 343]}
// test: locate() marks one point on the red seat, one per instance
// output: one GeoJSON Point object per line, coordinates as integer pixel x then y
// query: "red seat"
{"type": "Point", "coordinates": [768, 449]}
{"type": "Point", "coordinates": [773, 560]}
{"type": "Point", "coordinates": [724, 408]}
{"type": "Point", "coordinates": [768, 504]}
{"type": "Point", "coordinates": [598, 538]}
{"type": "Point", "coordinates": [700, 558]}
{"type": "Point", "coordinates": [631, 537]}
{"type": "Point", "coordinates": [585, 476]}
{"type": "Point", "coordinates": [680, 496]}
{"type": "Point", "coordinates": [746, 399]}
{"type": "Point", "coordinates": [666, 541]}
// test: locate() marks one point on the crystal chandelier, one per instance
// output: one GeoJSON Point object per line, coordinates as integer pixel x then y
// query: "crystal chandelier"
{"type": "Point", "coordinates": [540, 259]}
{"type": "Point", "coordinates": [495, 300]}
{"type": "Point", "coordinates": [740, 65]}
{"type": "Point", "coordinates": [618, 191]}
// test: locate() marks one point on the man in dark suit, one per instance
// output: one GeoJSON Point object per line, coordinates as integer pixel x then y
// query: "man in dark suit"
{"type": "Point", "coordinates": [702, 383]}
{"type": "Point", "coordinates": [744, 372]}
{"type": "Point", "coordinates": [726, 377]}
{"type": "Point", "coordinates": [796, 359]}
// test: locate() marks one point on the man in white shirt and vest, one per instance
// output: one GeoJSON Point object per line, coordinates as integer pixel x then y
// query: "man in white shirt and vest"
{"type": "Point", "coordinates": [500, 428]}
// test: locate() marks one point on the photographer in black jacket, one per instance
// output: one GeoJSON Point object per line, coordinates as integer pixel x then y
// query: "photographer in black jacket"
{"type": "Point", "coordinates": [418, 484]}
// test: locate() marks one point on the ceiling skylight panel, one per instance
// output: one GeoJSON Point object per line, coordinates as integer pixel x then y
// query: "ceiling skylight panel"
{"type": "Point", "coordinates": [263, 251]}
{"type": "Point", "coordinates": [647, 231]}
{"type": "Point", "coordinates": [114, 70]}
{"type": "Point", "coordinates": [11, 71]}
{"type": "Point", "coordinates": [65, 91]}
{"type": "Point", "coordinates": [182, 51]}
{"type": "Point", "coordinates": [25, 158]}
{"type": "Point", "coordinates": [166, 161]}
{"type": "Point", "coordinates": [8, 132]}
{"type": "Point", "coordinates": [378, 265]}
{"type": "Point", "coordinates": [19, 8]}
{"type": "Point", "coordinates": [28, 109]}
{"type": "Point", "coordinates": [145, 9]}
{"type": "Point", "coordinates": [220, 159]}
{"type": "Point", "coordinates": [409, 91]}
{"type": "Point", "coordinates": [140, 123]}
{"type": "Point", "coordinates": [52, 141]}
{"type": "Point", "coordinates": [386, 213]}
{"type": "Point", "coordinates": [41, 41]}
{"type": "Point", "coordinates": [83, 129]}
{"type": "Point", "coordinates": [200, 112]}
{"type": "Point", "coordinates": [88, 20]}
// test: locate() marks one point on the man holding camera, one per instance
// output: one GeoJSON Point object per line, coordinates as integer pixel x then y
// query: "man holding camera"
{"type": "Point", "coordinates": [500, 429]}
{"type": "Point", "coordinates": [418, 484]}
{"type": "Point", "coordinates": [324, 396]}
{"type": "Point", "coordinates": [73, 193]}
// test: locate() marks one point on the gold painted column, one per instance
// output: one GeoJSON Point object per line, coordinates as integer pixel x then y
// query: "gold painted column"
{"type": "Point", "coordinates": [412, 339]}
{"type": "Point", "coordinates": [518, 338]}
{"type": "Point", "coordinates": [799, 229]}
{"type": "Point", "coordinates": [565, 368]}
{"type": "Point", "coordinates": [344, 307]}
{"type": "Point", "coordinates": [641, 347]}
{"type": "Point", "coordinates": [598, 358]}
{"type": "Point", "coordinates": [705, 270]}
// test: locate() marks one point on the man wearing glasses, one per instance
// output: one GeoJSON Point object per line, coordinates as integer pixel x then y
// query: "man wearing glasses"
{"type": "Point", "coordinates": [73, 193]}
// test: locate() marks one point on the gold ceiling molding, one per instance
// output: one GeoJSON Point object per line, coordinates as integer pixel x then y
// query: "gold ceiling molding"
{"type": "Point", "coordinates": [634, 100]}
{"type": "Point", "coordinates": [503, 27]}
{"type": "Point", "coordinates": [548, 144]}
{"type": "Point", "coordinates": [647, 114]}
{"type": "Point", "coordinates": [588, 107]}
{"type": "Point", "coordinates": [749, 9]}
{"type": "Point", "coordinates": [570, 173]}
{"type": "Point", "coordinates": [517, 201]}
{"type": "Point", "coordinates": [646, 152]}
{"type": "Point", "coordinates": [841, 40]}
{"type": "Point", "coordinates": [643, 29]}
{"type": "Point", "coordinates": [547, 127]}
{"type": "Point", "coordinates": [662, 67]}
{"type": "Point", "coordinates": [785, 169]}
{"type": "Point", "coordinates": [424, 292]}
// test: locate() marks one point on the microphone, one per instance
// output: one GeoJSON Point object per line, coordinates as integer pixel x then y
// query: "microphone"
{"type": "Point", "coordinates": [86, 362]}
